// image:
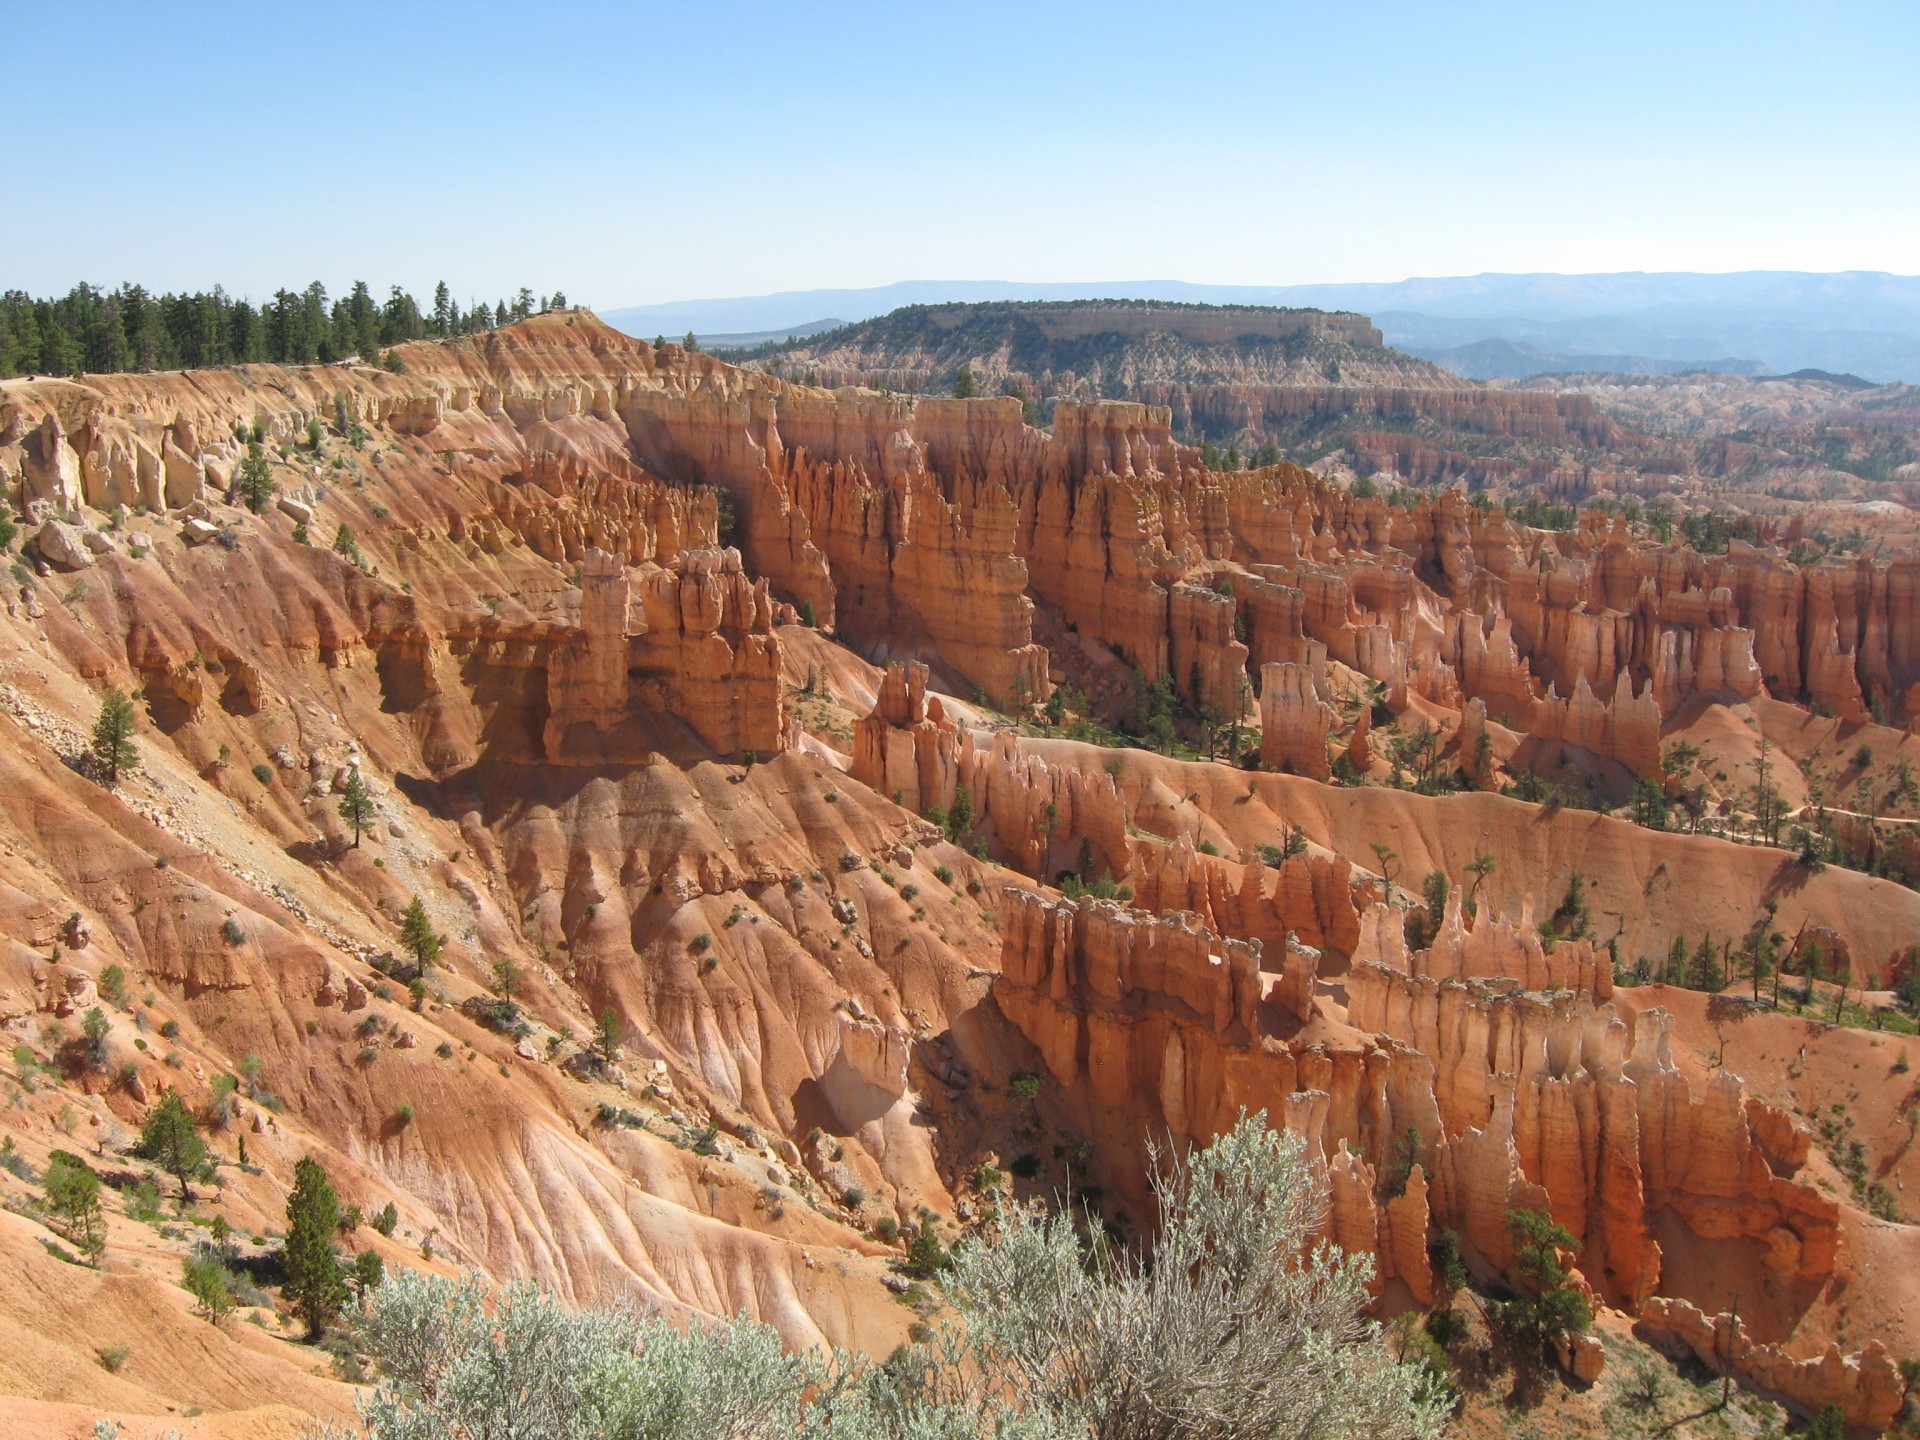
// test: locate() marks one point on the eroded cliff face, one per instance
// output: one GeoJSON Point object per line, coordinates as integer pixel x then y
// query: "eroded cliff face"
{"type": "Point", "coordinates": [566, 699]}
{"type": "Point", "coordinates": [930, 529]}
{"type": "Point", "coordinates": [1453, 1085]}
{"type": "Point", "coordinates": [488, 456]}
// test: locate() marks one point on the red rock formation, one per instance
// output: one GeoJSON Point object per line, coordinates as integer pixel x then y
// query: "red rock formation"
{"type": "Point", "coordinates": [1627, 729]}
{"type": "Point", "coordinates": [587, 676]}
{"type": "Point", "coordinates": [1204, 651]}
{"type": "Point", "coordinates": [907, 748]}
{"type": "Point", "coordinates": [1519, 1084]}
{"type": "Point", "coordinates": [931, 525]}
{"type": "Point", "coordinates": [1294, 722]}
{"type": "Point", "coordinates": [1307, 898]}
{"type": "Point", "coordinates": [702, 649]}
{"type": "Point", "coordinates": [1491, 948]}
{"type": "Point", "coordinates": [1080, 978]}
{"type": "Point", "coordinates": [1866, 1386]}
{"type": "Point", "coordinates": [708, 653]}
{"type": "Point", "coordinates": [1040, 813]}
{"type": "Point", "coordinates": [1473, 746]}
{"type": "Point", "coordinates": [1360, 743]}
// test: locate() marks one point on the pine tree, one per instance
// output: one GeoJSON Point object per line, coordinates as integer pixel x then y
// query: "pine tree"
{"type": "Point", "coordinates": [964, 385]}
{"type": "Point", "coordinates": [168, 1138]}
{"type": "Point", "coordinates": [1571, 919]}
{"type": "Point", "coordinates": [253, 481]}
{"type": "Point", "coordinates": [314, 1282]}
{"type": "Point", "coordinates": [1555, 1306]}
{"type": "Point", "coordinates": [1480, 867]}
{"type": "Point", "coordinates": [73, 1195]}
{"type": "Point", "coordinates": [1705, 972]}
{"type": "Point", "coordinates": [960, 814]}
{"type": "Point", "coordinates": [205, 1278]}
{"type": "Point", "coordinates": [1422, 926]}
{"type": "Point", "coordinates": [367, 1272]}
{"type": "Point", "coordinates": [607, 1035]}
{"type": "Point", "coordinates": [356, 806]}
{"type": "Point", "coordinates": [506, 975]}
{"type": "Point", "coordinates": [1676, 971]}
{"type": "Point", "coordinates": [416, 933]}
{"type": "Point", "coordinates": [113, 749]}
{"type": "Point", "coordinates": [94, 1029]}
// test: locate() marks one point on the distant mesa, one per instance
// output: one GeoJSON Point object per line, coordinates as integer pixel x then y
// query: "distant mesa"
{"type": "Point", "coordinates": [1850, 382]}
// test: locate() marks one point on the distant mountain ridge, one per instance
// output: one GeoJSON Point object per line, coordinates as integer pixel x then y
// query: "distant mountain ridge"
{"type": "Point", "coordinates": [1517, 360]}
{"type": "Point", "coordinates": [1861, 322]}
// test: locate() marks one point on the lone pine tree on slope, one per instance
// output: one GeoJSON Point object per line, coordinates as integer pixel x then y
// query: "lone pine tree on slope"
{"type": "Point", "coordinates": [314, 1281]}
{"type": "Point", "coordinates": [356, 806]}
{"type": "Point", "coordinates": [113, 748]}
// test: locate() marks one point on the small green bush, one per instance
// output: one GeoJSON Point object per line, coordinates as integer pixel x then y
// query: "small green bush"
{"type": "Point", "coordinates": [500, 1016]}
{"type": "Point", "coordinates": [926, 1256]}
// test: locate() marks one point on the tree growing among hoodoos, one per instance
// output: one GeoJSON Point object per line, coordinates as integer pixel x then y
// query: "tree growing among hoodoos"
{"type": "Point", "coordinates": [1238, 1326]}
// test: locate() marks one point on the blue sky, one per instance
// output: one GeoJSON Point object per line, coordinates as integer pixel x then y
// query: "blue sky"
{"type": "Point", "coordinates": [637, 153]}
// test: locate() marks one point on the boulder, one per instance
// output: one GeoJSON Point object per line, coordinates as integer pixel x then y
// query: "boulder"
{"type": "Point", "coordinates": [63, 546]}
{"type": "Point", "coordinates": [184, 477]}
